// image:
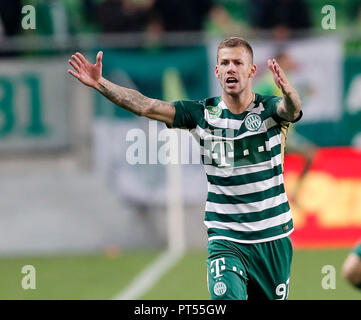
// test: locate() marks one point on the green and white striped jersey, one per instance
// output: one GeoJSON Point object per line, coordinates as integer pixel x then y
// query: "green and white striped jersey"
{"type": "Point", "coordinates": [243, 158]}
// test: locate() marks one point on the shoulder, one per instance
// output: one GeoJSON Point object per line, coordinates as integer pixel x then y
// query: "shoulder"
{"type": "Point", "coordinates": [212, 102]}
{"type": "Point", "coordinates": [191, 112]}
{"type": "Point", "coordinates": [197, 104]}
{"type": "Point", "coordinates": [269, 104]}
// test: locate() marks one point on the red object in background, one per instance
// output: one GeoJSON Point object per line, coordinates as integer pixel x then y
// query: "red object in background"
{"type": "Point", "coordinates": [341, 163]}
{"type": "Point", "coordinates": [312, 235]}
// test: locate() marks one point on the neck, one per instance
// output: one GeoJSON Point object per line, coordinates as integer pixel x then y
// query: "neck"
{"type": "Point", "coordinates": [238, 103]}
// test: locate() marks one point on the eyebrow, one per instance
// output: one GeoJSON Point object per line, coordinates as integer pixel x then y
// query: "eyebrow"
{"type": "Point", "coordinates": [228, 59]}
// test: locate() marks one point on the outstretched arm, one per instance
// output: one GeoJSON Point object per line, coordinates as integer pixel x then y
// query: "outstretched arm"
{"type": "Point", "coordinates": [290, 106]}
{"type": "Point", "coordinates": [129, 99]}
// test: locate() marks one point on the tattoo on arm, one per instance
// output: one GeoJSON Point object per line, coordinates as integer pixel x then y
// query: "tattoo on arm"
{"type": "Point", "coordinates": [135, 102]}
{"type": "Point", "coordinates": [129, 99]}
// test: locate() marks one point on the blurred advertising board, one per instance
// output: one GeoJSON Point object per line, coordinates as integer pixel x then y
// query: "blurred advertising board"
{"type": "Point", "coordinates": [34, 101]}
{"type": "Point", "coordinates": [327, 206]}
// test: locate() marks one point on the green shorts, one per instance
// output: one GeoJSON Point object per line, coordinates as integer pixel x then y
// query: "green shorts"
{"type": "Point", "coordinates": [238, 271]}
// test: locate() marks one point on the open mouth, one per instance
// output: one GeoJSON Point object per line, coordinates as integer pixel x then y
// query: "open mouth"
{"type": "Point", "coordinates": [231, 80]}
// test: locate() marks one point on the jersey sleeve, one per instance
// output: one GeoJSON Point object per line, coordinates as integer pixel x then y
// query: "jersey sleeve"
{"type": "Point", "coordinates": [273, 102]}
{"type": "Point", "coordinates": [187, 114]}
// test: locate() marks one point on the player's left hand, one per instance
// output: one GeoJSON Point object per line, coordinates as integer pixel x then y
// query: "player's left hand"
{"type": "Point", "coordinates": [279, 77]}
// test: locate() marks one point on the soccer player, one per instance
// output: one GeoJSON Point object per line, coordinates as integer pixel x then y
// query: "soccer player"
{"type": "Point", "coordinates": [242, 136]}
{"type": "Point", "coordinates": [351, 268]}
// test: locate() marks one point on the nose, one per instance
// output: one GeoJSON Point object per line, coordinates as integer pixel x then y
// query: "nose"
{"type": "Point", "coordinates": [231, 68]}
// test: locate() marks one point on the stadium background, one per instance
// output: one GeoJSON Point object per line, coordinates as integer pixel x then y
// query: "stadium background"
{"type": "Point", "coordinates": [95, 226]}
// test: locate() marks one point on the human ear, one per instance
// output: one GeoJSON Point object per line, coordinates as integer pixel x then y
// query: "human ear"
{"type": "Point", "coordinates": [253, 70]}
{"type": "Point", "coordinates": [216, 71]}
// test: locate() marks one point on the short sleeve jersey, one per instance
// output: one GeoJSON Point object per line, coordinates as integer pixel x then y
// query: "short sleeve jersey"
{"type": "Point", "coordinates": [243, 158]}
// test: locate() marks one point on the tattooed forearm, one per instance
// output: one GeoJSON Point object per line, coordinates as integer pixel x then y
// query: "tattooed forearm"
{"type": "Point", "coordinates": [128, 99]}
{"type": "Point", "coordinates": [137, 103]}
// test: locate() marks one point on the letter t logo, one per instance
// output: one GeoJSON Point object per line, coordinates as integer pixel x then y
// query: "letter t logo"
{"type": "Point", "coordinates": [217, 267]}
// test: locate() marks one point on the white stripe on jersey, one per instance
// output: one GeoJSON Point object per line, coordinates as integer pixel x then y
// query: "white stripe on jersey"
{"type": "Point", "coordinates": [251, 241]}
{"type": "Point", "coordinates": [226, 123]}
{"type": "Point", "coordinates": [247, 188]}
{"type": "Point", "coordinates": [246, 207]}
{"type": "Point", "coordinates": [251, 226]}
{"type": "Point", "coordinates": [238, 171]}
{"type": "Point", "coordinates": [266, 125]}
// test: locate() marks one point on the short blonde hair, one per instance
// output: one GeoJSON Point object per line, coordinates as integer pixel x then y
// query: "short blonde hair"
{"type": "Point", "coordinates": [234, 42]}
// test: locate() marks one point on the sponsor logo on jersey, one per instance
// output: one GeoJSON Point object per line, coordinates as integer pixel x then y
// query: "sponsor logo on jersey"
{"type": "Point", "coordinates": [214, 111]}
{"type": "Point", "coordinates": [253, 122]}
{"type": "Point", "coordinates": [219, 288]}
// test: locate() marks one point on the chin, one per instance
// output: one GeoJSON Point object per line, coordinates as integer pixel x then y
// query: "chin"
{"type": "Point", "coordinates": [233, 93]}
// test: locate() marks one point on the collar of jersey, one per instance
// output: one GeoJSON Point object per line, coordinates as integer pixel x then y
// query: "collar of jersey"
{"type": "Point", "coordinates": [223, 105]}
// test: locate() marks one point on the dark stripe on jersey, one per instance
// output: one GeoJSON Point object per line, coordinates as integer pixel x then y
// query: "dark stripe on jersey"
{"type": "Point", "coordinates": [245, 178]}
{"type": "Point", "coordinates": [250, 216]}
{"type": "Point", "coordinates": [252, 235]}
{"type": "Point", "coordinates": [248, 198]}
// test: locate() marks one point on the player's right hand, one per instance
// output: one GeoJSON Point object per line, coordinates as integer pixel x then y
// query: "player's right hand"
{"type": "Point", "coordinates": [86, 72]}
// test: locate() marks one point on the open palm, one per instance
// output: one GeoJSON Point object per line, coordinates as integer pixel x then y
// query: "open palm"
{"type": "Point", "coordinates": [279, 76]}
{"type": "Point", "coordinates": [86, 72]}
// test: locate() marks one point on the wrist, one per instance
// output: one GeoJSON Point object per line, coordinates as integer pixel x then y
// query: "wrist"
{"type": "Point", "coordinates": [288, 92]}
{"type": "Point", "coordinates": [99, 83]}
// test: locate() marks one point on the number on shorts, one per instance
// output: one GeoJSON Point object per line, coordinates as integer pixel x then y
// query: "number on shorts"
{"type": "Point", "coordinates": [282, 290]}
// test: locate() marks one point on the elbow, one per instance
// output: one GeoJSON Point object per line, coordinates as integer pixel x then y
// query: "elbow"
{"type": "Point", "coordinates": [298, 111]}
{"type": "Point", "coordinates": [297, 115]}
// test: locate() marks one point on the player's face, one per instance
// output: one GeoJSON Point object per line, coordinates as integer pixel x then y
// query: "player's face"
{"type": "Point", "coordinates": [234, 69]}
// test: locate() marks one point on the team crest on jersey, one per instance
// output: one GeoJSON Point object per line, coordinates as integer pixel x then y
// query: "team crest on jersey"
{"type": "Point", "coordinates": [219, 288]}
{"type": "Point", "coordinates": [253, 122]}
{"type": "Point", "coordinates": [214, 111]}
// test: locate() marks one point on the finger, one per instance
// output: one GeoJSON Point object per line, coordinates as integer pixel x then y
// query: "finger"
{"type": "Point", "coordinates": [275, 65]}
{"type": "Point", "coordinates": [279, 69]}
{"type": "Point", "coordinates": [81, 57]}
{"type": "Point", "coordinates": [282, 83]}
{"type": "Point", "coordinates": [278, 84]}
{"type": "Point", "coordinates": [270, 65]}
{"type": "Point", "coordinates": [273, 68]}
{"type": "Point", "coordinates": [279, 72]}
{"type": "Point", "coordinates": [73, 73]}
{"type": "Point", "coordinates": [77, 60]}
{"type": "Point", "coordinates": [99, 57]}
{"type": "Point", "coordinates": [74, 65]}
